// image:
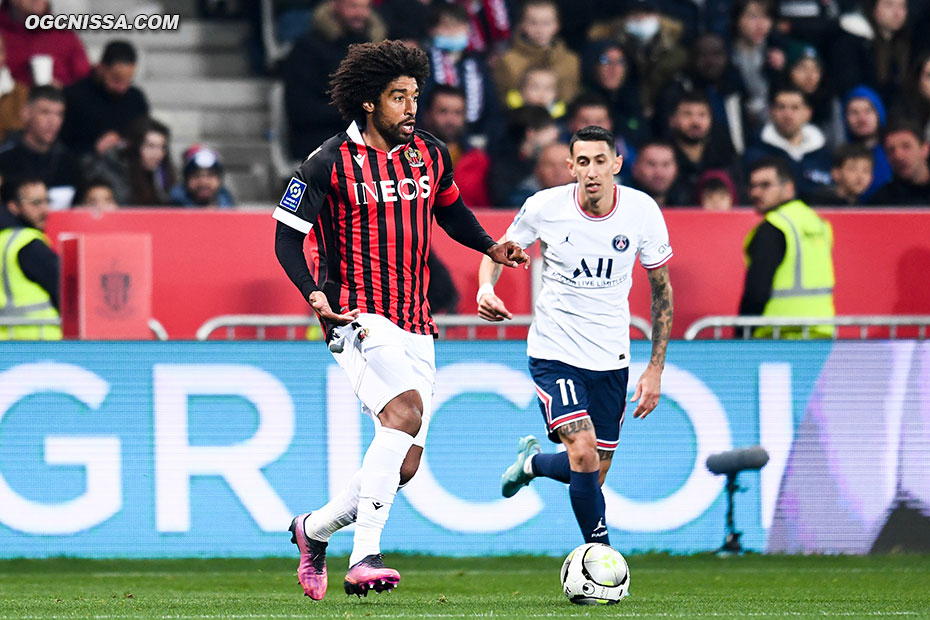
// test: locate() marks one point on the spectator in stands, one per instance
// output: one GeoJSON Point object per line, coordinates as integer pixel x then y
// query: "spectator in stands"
{"type": "Point", "coordinates": [697, 147]}
{"type": "Point", "coordinates": [551, 170]}
{"type": "Point", "coordinates": [915, 103]}
{"type": "Point", "coordinates": [864, 114]}
{"type": "Point", "coordinates": [852, 175]}
{"type": "Point", "coordinates": [451, 65]}
{"type": "Point", "coordinates": [873, 48]}
{"type": "Point", "coordinates": [101, 106]}
{"type": "Point", "coordinates": [489, 25]}
{"type": "Point", "coordinates": [442, 295]}
{"type": "Point", "coordinates": [710, 72]}
{"type": "Point", "coordinates": [654, 43]}
{"type": "Point", "coordinates": [531, 129]}
{"type": "Point", "coordinates": [38, 153]}
{"type": "Point", "coordinates": [150, 173]}
{"type": "Point", "coordinates": [908, 152]}
{"type": "Point", "coordinates": [755, 57]}
{"type": "Point", "coordinates": [716, 191]}
{"type": "Point", "coordinates": [444, 117]}
{"type": "Point", "coordinates": [552, 167]}
{"type": "Point", "coordinates": [804, 69]}
{"type": "Point", "coordinates": [608, 74]}
{"type": "Point", "coordinates": [789, 255]}
{"type": "Point", "coordinates": [591, 110]}
{"type": "Point", "coordinates": [656, 173]}
{"type": "Point", "coordinates": [98, 195]}
{"type": "Point", "coordinates": [13, 97]}
{"type": "Point", "coordinates": [55, 57]}
{"type": "Point", "coordinates": [791, 135]}
{"type": "Point", "coordinates": [538, 87]}
{"type": "Point", "coordinates": [202, 185]}
{"type": "Point", "coordinates": [315, 55]}
{"type": "Point", "coordinates": [29, 268]}
{"type": "Point", "coordinates": [536, 44]}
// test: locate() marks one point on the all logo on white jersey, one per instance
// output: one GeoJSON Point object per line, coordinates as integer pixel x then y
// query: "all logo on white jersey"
{"type": "Point", "coordinates": [359, 159]}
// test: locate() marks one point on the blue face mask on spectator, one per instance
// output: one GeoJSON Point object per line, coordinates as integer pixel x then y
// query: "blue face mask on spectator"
{"type": "Point", "coordinates": [450, 43]}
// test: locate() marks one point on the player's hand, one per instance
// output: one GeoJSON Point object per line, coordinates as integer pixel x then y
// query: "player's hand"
{"type": "Point", "coordinates": [648, 390]}
{"type": "Point", "coordinates": [320, 305]}
{"type": "Point", "coordinates": [491, 308]}
{"type": "Point", "coordinates": [508, 253]}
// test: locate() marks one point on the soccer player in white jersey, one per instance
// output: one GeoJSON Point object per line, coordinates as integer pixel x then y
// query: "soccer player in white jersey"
{"type": "Point", "coordinates": [590, 233]}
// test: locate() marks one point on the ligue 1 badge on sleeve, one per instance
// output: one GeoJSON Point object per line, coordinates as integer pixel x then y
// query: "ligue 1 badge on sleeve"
{"type": "Point", "coordinates": [292, 195]}
{"type": "Point", "coordinates": [621, 243]}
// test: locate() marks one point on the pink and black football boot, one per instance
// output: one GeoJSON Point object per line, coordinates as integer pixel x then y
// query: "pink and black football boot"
{"type": "Point", "coordinates": [311, 572]}
{"type": "Point", "coordinates": [368, 574]}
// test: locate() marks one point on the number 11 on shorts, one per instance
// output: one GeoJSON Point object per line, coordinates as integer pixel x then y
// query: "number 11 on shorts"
{"type": "Point", "coordinates": [571, 388]}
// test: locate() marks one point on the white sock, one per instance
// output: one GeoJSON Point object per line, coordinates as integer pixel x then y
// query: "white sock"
{"type": "Point", "coordinates": [528, 465]}
{"type": "Point", "coordinates": [337, 513]}
{"type": "Point", "coordinates": [380, 477]}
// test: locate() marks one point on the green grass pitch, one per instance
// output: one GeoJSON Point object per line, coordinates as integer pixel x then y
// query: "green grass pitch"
{"type": "Point", "coordinates": [498, 587]}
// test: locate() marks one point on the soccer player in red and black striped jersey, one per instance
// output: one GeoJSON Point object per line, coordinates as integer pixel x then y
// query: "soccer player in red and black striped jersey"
{"type": "Point", "coordinates": [370, 194]}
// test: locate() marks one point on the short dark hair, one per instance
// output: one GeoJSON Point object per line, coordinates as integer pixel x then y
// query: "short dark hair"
{"type": "Point", "coordinates": [91, 184]}
{"type": "Point", "coordinates": [592, 133]}
{"type": "Point", "coordinates": [851, 150]}
{"type": "Point", "coordinates": [585, 100]}
{"type": "Point", "coordinates": [443, 89]}
{"type": "Point", "coordinates": [367, 70]}
{"type": "Point", "coordinates": [48, 92]}
{"type": "Point", "coordinates": [782, 168]}
{"type": "Point", "coordinates": [904, 124]}
{"type": "Point", "coordinates": [785, 87]}
{"type": "Point", "coordinates": [118, 52]}
{"type": "Point", "coordinates": [527, 117]}
{"type": "Point", "coordinates": [692, 96]}
{"type": "Point", "coordinates": [456, 12]}
{"type": "Point", "coordinates": [665, 144]}
{"type": "Point", "coordinates": [9, 192]}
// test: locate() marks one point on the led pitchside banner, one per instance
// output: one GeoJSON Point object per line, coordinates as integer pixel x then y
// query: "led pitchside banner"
{"type": "Point", "coordinates": [180, 449]}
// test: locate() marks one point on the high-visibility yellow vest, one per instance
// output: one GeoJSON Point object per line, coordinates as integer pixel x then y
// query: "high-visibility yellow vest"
{"type": "Point", "coordinates": [803, 282]}
{"type": "Point", "coordinates": [20, 297]}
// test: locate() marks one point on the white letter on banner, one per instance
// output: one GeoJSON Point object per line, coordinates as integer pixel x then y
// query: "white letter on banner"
{"type": "Point", "coordinates": [239, 464]}
{"type": "Point", "coordinates": [425, 493]}
{"type": "Point", "coordinates": [343, 430]}
{"type": "Point", "coordinates": [99, 455]}
{"type": "Point", "coordinates": [776, 431]}
{"type": "Point", "coordinates": [701, 489]}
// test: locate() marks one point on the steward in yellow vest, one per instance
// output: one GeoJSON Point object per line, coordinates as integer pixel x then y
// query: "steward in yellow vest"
{"type": "Point", "coordinates": [29, 269]}
{"type": "Point", "coordinates": [789, 256]}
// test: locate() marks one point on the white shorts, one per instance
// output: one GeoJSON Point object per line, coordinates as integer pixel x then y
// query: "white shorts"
{"type": "Point", "coordinates": [385, 363]}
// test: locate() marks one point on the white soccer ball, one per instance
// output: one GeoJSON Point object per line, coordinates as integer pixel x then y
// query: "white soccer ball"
{"type": "Point", "coordinates": [595, 574]}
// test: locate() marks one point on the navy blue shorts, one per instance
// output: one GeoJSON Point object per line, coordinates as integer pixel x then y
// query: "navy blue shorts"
{"type": "Point", "coordinates": [567, 393]}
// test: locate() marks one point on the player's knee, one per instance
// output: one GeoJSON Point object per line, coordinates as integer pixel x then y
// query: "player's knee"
{"type": "Point", "coordinates": [407, 472]}
{"type": "Point", "coordinates": [404, 413]}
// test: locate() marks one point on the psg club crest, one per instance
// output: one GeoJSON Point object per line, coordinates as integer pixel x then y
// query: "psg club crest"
{"type": "Point", "coordinates": [621, 243]}
{"type": "Point", "coordinates": [414, 157]}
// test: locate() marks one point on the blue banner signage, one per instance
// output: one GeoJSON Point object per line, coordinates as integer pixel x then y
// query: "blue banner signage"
{"type": "Point", "coordinates": [184, 449]}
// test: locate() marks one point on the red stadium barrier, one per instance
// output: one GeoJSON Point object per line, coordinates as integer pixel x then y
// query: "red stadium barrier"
{"type": "Point", "coordinates": [208, 263]}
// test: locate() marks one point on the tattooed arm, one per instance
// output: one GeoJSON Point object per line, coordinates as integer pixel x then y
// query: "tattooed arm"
{"type": "Point", "coordinates": [649, 386]}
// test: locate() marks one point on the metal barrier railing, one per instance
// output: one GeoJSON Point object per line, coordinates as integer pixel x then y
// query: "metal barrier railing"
{"type": "Point", "coordinates": [747, 323]}
{"type": "Point", "coordinates": [261, 322]}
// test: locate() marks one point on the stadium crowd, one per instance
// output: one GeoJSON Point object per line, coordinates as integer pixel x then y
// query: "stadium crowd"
{"type": "Point", "coordinates": [696, 92]}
